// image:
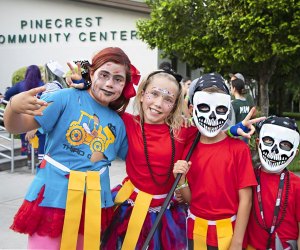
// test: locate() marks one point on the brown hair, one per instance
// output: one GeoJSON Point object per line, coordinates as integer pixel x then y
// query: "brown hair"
{"type": "Point", "coordinates": [239, 85]}
{"type": "Point", "coordinates": [213, 89]}
{"type": "Point", "coordinates": [118, 56]}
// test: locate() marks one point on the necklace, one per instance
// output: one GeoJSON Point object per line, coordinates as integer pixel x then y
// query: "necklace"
{"type": "Point", "coordinates": [168, 174]}
{"type": "Point", "coordinates": [275, 222]}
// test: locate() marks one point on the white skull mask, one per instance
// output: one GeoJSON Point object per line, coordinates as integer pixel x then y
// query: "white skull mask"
{"type": "Point", "coordinates": [277, 147]}
{"type": "Point", "coordinates": [210, 112]}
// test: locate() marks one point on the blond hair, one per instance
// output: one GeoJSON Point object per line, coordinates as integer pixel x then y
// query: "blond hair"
{"type": "Point", "coordinates": [174, 119]}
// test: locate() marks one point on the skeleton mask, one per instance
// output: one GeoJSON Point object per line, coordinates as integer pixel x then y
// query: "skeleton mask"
{"type": "Point", "coordinates": [210, 112]}
{"type": "Point", "coordinates": [277, 146]}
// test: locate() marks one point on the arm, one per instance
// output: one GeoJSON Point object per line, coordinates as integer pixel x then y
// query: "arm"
{"type": "Point", "coordinates": [245, 202]}
{"type": "Point", "coordinates": [20, 111]}
{"type": "Point", "coordinates": [245, 128]}
{"type": "Point", "coordinates": [183, 191]}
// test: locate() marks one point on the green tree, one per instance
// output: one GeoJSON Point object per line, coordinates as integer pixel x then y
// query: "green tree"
{"type": "Point", "coordinates": [252, 36]}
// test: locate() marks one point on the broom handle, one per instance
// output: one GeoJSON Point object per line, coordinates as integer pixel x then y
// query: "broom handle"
{"type": "Point", "coordinates": [169, 197]}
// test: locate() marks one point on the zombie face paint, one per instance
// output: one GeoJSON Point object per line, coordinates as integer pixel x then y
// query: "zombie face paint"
{"type": "Point", "coordinates": [210, 112]}
{"type": "Point", "coordinates": [277, 147]}
{"type": "Point", "coordinates": [108, 82]}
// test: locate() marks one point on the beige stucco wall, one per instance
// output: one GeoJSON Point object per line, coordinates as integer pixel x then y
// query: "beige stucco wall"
{"type": "Point", "coordinates": [65, 26]}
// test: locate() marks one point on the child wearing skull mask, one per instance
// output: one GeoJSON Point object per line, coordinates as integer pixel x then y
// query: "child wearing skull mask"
{"type": "Point", "coordinates": [276, 199]}
{"type": "Point", "coordinates": [221, 173]}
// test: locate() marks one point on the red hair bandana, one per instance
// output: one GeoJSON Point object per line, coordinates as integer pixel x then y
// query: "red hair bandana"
{"type": "Point", "coordinates": [129, 90]}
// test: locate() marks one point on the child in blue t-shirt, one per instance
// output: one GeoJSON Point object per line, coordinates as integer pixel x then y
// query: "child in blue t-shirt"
{"type": "Point", "coordinates": [73, 177]}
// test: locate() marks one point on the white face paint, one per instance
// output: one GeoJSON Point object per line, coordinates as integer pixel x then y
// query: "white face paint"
{"type": "Point", "coordinates": [210, 112]}
{"type": "Point", "coordinates": [277, 147]}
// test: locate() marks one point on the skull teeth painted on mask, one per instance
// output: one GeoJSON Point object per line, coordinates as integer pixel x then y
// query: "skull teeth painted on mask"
{"type": "Point", "coordinates": [273, 159]}
{"type": "Point", "coordinates": [211, 125]}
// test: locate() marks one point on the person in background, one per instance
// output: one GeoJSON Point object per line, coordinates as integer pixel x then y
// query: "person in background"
{"type": "Point", "coordinates": [186, 82]}
{"type": "Point", "coordinates": [62, 208]}
{"type": "Point", "coordinates": [248, 97]}
{"type": "Point", "coordinates": [241, 106]}
{"type": "Point", "coordinates": [1, 97]}
{"type": "Point", "coordinates": [275, 217]}
{"type": "Point", "coordinates": [33, 79]}
{"type": "Point", "coordinates": [217, 180]}
{"type": "Point", "coordinates": [54, 73]}
{"type": "Point", "coordinates": [165, 65]}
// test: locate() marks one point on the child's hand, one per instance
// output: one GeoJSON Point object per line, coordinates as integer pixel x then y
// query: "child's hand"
{"type": "Point", "coordinates": [178, 196]}
{"type": "Point", "coordinates": [181, 167]}
{"type": "Point", "coordinates": [76, 75]}
{"type": "Point", "coordinates": [30, 134]}
{"type": "Point", "coordinates": [27, 102]}
{"type": "Point", "coordinates": [248, 122]}
{"type": "Point", "coordinates": [186, 121]}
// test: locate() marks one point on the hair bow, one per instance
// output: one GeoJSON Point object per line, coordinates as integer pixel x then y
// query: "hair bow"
{"type": "Point", "coordinates": [129, 90]}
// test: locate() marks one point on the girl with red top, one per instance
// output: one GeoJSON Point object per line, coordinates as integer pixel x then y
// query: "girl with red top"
{"type": "Point", "coordinates": [155, 145]}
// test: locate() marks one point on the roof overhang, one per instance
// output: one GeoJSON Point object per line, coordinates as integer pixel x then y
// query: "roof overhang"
{"type": "Point", "coordinates": [120, 4]}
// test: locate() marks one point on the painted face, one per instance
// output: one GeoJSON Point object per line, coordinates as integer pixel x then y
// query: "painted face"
{"type": "Point", "coordinates": [210, 112]}
{"type": "Point", "coordinates": [108, 82]}
{"type": "Point", "coordinates": [159, 99]}
{"type": "Point", "coordinates": [277, 147]}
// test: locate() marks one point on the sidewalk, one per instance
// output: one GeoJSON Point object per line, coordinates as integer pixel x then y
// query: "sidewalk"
{"type": "Point", "coordinates": [12, 191]}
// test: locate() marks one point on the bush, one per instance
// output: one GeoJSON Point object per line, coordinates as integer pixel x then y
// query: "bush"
{"type": "Point", "coordinates": [295, 115]}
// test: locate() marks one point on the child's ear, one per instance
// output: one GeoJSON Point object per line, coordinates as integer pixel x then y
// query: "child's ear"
{"type": "Point", "coordinates": [297, 151]}
{"type": "Point", "coordinates": [257, 141]}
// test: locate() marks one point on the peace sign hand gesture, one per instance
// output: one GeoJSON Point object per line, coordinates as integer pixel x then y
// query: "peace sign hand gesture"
{"type": "Point", "coordinates": [75, 75]}
{"type": "Point", "coordinates": [248, 124]}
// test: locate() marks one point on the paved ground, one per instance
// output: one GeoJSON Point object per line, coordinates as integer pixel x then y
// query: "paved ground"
{"type": "Point", "coordinates": [13, 188]}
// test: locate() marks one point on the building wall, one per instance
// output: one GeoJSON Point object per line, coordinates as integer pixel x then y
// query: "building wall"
{"type": "Point", "coordinates": [37, 31]}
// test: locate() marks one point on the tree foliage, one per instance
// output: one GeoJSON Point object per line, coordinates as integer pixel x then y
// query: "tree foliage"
{"type": "Point", "coordinates": [256, 37]}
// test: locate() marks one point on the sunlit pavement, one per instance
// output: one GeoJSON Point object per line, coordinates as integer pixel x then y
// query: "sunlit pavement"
{"type": "Point", "coordinates": [12, 191]}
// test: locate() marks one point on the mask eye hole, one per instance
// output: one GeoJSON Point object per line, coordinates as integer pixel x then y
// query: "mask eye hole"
{"type": "Point", "coordinates": [268, 141]}
{"type": "Point", "coordinates": [286, 145]}
{"type": "Point", "coordinates": [221, 110]}
{"type": "Point", "coordinates": [202, 107]}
